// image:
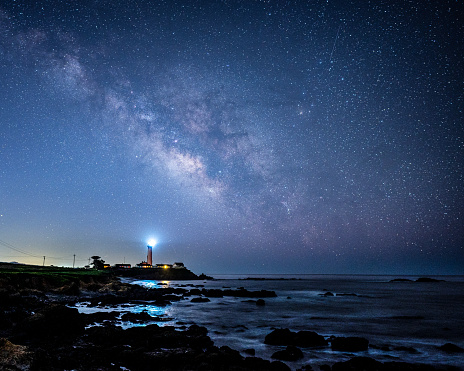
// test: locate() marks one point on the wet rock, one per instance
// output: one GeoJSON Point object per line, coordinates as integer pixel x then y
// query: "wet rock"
{"type": "Point", "coordinates": [349, 344]}
{"type": "Point", "coordinates": [309, 339]}
{"type": "Point", "coordinates": [54, 321]}
{"type": "Point", "coordinates": [260, 303]}
{"type": "Point", "coordinates": [359, 363]}
{"type": "Point", "coordinates": [301, 338]}
{"type": "Point", "coordinates": [291, 353]}
{"type": "Point", "coordinates": [250, 351]}
{"type": "Point", "coordinates": [305, 368]}
{"type": "Point", "coordinates": [258, 364]}
{"type": "Point", "coordinates": [137, 317]}
{"type": "Point", "coordinates": [280, 337]}
{"type": "Point", "coordinates": [451, 348]}
{"type": "Point", "coordinates": [404, 366]}
{"type": "Point", "coordinates": [401, 280]}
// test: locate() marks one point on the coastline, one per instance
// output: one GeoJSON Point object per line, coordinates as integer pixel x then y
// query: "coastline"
{"type": "Point", "coordinates": [42, 329]}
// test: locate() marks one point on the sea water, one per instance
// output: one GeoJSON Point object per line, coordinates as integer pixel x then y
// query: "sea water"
{"type": "Point", "coordinates": [403, 321]}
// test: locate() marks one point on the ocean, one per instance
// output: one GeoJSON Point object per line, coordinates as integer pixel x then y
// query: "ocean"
{"type": "Point", "coordinates": [403, 321]}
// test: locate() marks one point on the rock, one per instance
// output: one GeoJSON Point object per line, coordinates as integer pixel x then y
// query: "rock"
{"type": "Point", "coordinates": [200, 300]}
{"type": "Point", "coordinates": [309, 339]}
{"type": "Point", "coordinates": [14, 357]}
{"type": "Point", "coordinates": [280, 337]}
{"type": "Point", "coordinates": [358, 364]}
{"type": "Point", "coordinates": [260, 303]}
{"type": "Point", "coordinates": [54, 321]}
{"type": "Point", "coordinates": [137, 317]}
{"type": "Point", "coordinates": [301, 338]}
{"type": "Point", "coordinates": [401, 280]}
{"type": "Point", "coordinates": [327, 294]}
{"type": "Point", "coordinates": [250, 351]}
{"type": "Point", "coordinates": [291, 353]}
{"type": "Point", "coordinates": [305, 368]}
{"type": "Point", "coordinates": [258, 364]}
{"type": "Point", "coordinates": [349, 344]}
{"type": "Point", "coordinates": [451, 348]}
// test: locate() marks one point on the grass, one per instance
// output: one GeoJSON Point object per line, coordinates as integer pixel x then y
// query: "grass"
{"type": "Point", "coordinates": [8, 268]}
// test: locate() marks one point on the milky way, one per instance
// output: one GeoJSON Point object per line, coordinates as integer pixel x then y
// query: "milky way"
{"type": "Point", "coordinates": [245, 136]}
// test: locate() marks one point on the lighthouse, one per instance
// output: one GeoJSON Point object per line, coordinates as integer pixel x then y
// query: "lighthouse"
{"type": "Point", "coordinates": [151, 243]}
{"type": "Point", "coordinates": [149, 255]}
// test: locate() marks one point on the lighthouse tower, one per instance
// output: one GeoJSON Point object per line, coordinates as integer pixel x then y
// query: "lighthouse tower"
{"type": "Point", "coordinates": [149, 255]}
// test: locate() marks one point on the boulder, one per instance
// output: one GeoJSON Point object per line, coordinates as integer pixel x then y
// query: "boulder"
{"type": "Point", "coordinates": [300, 338]}
{"type": "Point", "coordinates": [57, 321]}
{"type": "Point", "coordinates": [260, 303]}
{"type": "Point", "coordinates": [280, 337]}
{"type": "Point", "coordinates": [14, 357]}
{"type": "Point", "coordinates": [137, 317]}
{"type": "Point", "coordinates": [451, 348]}
{"type": "Point", "coordinates": [291, 353]}
{"type": "Point", "coordinates": [359, 363]}
{"type": "Point", "coordinates": [309, 339]}
{"type": "Point", "coordinates": [350, 344]}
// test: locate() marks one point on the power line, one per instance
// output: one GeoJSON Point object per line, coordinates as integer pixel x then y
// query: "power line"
{"type": "Point", "coordinates": [10, 246]}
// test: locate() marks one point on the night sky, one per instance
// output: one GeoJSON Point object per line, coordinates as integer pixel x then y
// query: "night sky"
{"type": "Point", "coordinates": [245, 136]}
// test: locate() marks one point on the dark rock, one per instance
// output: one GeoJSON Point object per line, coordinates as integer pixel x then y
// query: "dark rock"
{"type": "Point", "coordinates": [137, 317]}
{"type": "Point", "coordinates": [359, 364]}
{"type": "Point", "coordinates": [301, 338]}
{"type": "Point", "coordinates": [260, 303]}
{"type": "Point", "coordinates": [291, 353]}
{"type": "Point", "coordinates": [401, 280]}
{"type": "Point", "coordinates": [328, 293]}
{"type": "Point", "coordinates": [14, 357]}
{"type": "Point", "coordinates": [250, 351]}
{"type": "Point", "coordinates": [349, 344]}
{"type": "Point", "coordinates": [325, 368]}
{"type": "Point", "coordinates": [451, 348]}
{"type": "Point", "coordinates": [278, 366]}
{"type": "Point", "coordinates": [205, 277]}
{"type": "Point", "coordinates": [280, 337]}
{"type": "Point", "coordinates": [200, 300]}
{"type": "Point", "coordinates": [309, 339]}
{"type": "Point", "coordinates": [404, 366]}
{"type": "Point", "coordinates": [305, 368]}
{"type": "Point", "coordinates": [54, 321]}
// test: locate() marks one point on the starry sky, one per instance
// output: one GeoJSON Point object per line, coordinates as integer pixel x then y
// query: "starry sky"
{"type": "Point", "coordinates": [251, 136]}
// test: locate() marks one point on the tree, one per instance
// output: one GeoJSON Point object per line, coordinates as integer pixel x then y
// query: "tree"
{"type": "Point", "coordinates": [98, 262]}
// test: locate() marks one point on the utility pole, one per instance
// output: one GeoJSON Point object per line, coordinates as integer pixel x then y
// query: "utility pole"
{"type": "Point", "coordinates": [43, 264]}
{"type": "Point", "coordinates": [74, 260]}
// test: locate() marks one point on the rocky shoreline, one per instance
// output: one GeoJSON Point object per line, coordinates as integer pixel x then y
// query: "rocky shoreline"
{"type": "Point", "coordinates": [40, 329]}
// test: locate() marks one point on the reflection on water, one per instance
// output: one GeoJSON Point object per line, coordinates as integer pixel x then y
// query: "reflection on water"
{"type": "Point", "coordinates": [390, 315]}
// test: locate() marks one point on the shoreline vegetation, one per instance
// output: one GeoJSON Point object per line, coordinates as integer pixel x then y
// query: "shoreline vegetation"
{"type": "Point", "coordinates": [40, 328]}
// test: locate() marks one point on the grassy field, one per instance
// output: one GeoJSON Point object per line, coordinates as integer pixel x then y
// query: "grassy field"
{"type": "Point", "coordinates": [9, 268]}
